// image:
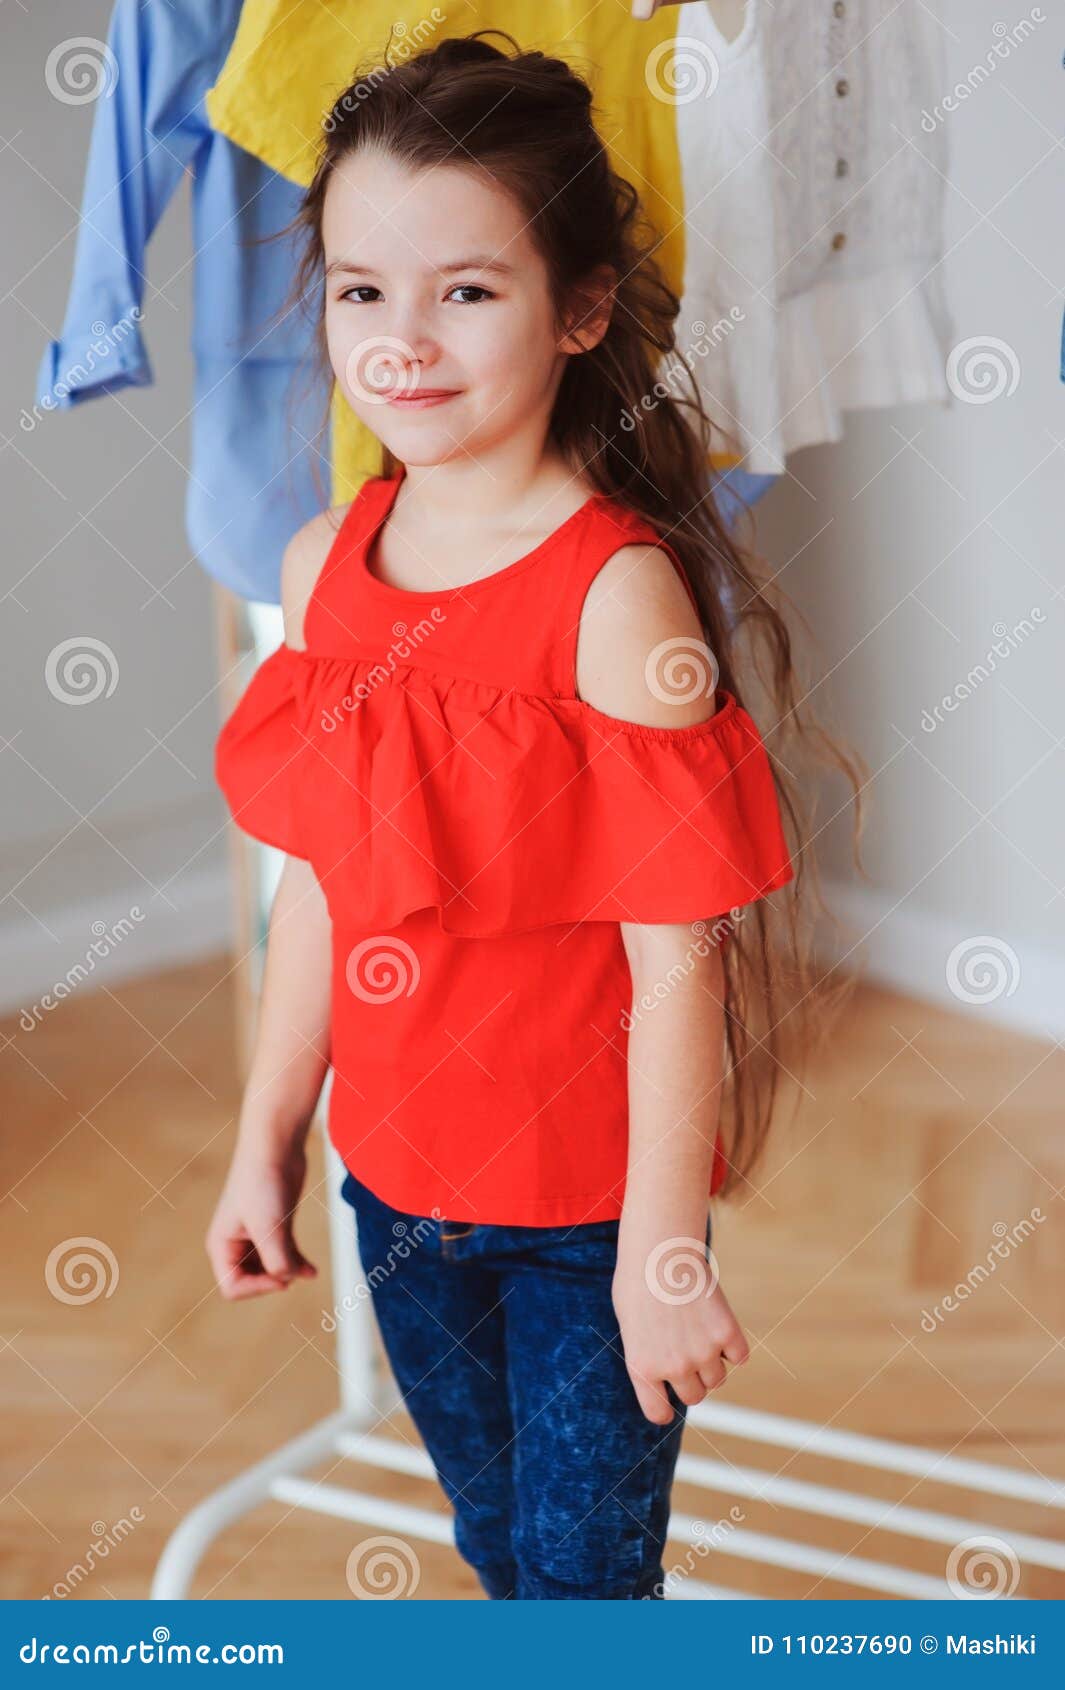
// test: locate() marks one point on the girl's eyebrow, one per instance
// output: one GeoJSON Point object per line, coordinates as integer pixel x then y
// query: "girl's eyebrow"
{"type": "Point", "coordinates": [480, 261]}
{"type": "Point", "coordinates": [344, 266]}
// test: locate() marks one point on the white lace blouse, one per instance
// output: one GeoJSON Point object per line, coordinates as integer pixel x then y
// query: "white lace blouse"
{"type": "Point", "coordinates": [813, 208]}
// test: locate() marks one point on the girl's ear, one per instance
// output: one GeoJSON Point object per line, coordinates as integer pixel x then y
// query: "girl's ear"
{"type": "Point", "coordinates": [591, 307]}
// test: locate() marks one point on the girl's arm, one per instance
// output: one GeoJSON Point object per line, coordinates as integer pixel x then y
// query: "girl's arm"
{"type": "Point", "coordinates": [675, 1322]}
{"type": "Point", "coordinates": [250, 1240]}
{"type": "Point", "coordinates": [291, 1054]}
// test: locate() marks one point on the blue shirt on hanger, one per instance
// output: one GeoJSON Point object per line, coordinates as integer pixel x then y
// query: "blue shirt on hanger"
{"type": "Point", "coordinates": [257, 400]}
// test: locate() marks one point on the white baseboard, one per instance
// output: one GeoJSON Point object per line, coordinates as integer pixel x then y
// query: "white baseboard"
{"type": "Point", "coordinates": [1019, 986]}
{"type": "Point", "coordinates": [110, 940]}
{"type": "Point", "coordinates": [1006, 981]}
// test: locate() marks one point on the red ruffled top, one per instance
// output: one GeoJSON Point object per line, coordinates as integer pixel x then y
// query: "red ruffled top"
{"type": "Point", "coordinates": [479, 833]}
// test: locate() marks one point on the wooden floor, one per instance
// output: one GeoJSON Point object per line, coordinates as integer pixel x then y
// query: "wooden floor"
{"type": "Point", "coordinates": [920, 1134]}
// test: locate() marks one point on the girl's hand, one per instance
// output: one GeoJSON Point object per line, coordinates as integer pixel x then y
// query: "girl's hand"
{"type": "Point", "coordinates": [684, 1336]}
{"type": "Point", "coordinates": [644, 9]}
{"type": "Point", "coordinates": [249, 1241]}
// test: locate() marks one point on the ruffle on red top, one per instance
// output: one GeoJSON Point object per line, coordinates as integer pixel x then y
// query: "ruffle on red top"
{"type": "Point", "coordinates": [409, 789]}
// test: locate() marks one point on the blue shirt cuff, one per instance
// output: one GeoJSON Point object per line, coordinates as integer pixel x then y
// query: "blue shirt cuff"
{"type": "Point", "coordinates": [102, 360]}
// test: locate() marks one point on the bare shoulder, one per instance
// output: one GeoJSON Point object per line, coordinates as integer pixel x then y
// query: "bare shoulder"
{"type": "Point", "coordinates": [301, 566]}
{"type": "Point", "coordinates": [641, 650]}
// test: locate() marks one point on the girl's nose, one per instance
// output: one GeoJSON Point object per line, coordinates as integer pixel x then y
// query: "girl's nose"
{"type": "Point", "coordinates": [421, 350]}
{"type": "Point", "coordinates": [384, 363]}
{"type": "Point", "coordinates": [412, 355]}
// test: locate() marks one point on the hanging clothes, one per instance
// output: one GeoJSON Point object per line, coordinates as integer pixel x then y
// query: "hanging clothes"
{"type": "Point", "coordinates": [253, 415]}
{"type": "Point", "coordinates": [800, 229]}
{"type": "Point", "coordinates": [814, 208]}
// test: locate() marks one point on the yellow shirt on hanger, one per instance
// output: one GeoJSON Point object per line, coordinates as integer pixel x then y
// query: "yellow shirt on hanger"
{"type": "Point", "coordinates": [289, 62]}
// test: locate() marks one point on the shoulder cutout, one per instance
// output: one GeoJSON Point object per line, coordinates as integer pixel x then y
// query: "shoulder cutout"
{"type": "Point", "coordinates": [301, 566]}
{"type": "Point", "coordinates": [642, 654]}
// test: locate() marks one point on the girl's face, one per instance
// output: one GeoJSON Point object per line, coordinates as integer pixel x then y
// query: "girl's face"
{"type": "Point", "coordinates": [439, 322]}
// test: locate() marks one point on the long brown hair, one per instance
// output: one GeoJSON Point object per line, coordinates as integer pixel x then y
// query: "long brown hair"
{"type": "Point", "coordinates": [525, 121]}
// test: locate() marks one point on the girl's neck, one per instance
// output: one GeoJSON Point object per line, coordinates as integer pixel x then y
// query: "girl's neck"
{"type": "Point", "coordinates": [422, 545]}
{"type": "Point", "coordinates": [466, 496]}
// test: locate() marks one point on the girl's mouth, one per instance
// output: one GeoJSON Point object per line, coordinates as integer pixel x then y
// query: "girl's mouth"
{"type": "Point", "coordinates": [421, 398]}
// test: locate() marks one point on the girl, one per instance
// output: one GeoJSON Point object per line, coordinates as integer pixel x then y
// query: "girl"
{"type": "Point", "coordinates": [503, 747]}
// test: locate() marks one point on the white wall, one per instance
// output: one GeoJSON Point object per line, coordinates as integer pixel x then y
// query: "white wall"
{"type": "Point", "coordinates": [108, 805]}
{"type": "Point", "coordinates": [944, 528]}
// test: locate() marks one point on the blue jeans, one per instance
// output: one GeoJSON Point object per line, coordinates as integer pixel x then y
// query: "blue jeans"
{"type": "Point", "coordinates": [506, 1349]}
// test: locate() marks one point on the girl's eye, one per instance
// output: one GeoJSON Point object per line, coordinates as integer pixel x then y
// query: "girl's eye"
{"type": "Point", "coordinates": [360, 287]}
{"type": "Point", "coordinates": [472, 287]}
